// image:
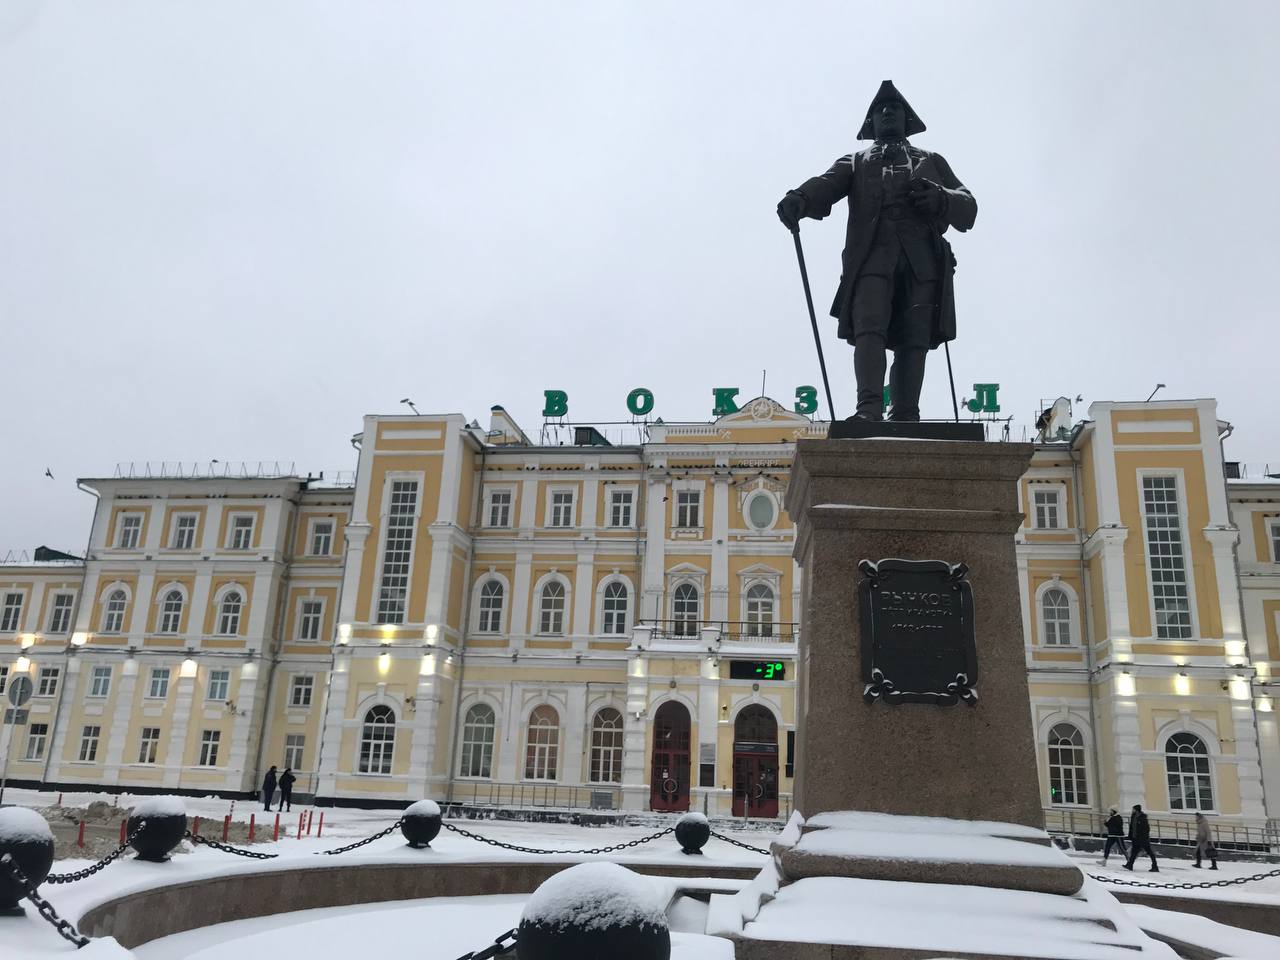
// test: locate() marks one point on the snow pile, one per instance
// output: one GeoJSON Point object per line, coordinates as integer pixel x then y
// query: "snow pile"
{"type": "Point", "coordinates": [596, 896]}
{"type": "Point", "coordinates": [935, 848]}
{"type": "Point", "coordinates": [899, 823]}
{"type": "Point", "coordinates": [21, 825]}
{"type": "Point", "coordinates": [423, 808]}
{"type": "Point", "coordinates": [159, 807]}
{"type": "Point", "coordinates": [105, 948]}
{"type": "Point", "coordinates": [790, 835]}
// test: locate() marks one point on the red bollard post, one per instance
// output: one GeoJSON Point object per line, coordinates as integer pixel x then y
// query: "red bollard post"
{"type": "Point", "coordinates": [311, 819]}
{"type": "Point", "coordinates": [59, 799]}
{"type": "Point", "coordinates": [275, 834]}
{"type": "Point", "coordinates": [80, 838]}
{"type": "Point", "coordinates": [123, 835]}
{"type": "Point", "coordinates": [320, 829]}
{"type": "Point", "coordinates": [251, 826]}
{"type": "Point", "coordinates": [195, 826]}
{"type": "Point", "coordinates": [301, 818]}
{"type": "Point", "coordinates": [226, 827]}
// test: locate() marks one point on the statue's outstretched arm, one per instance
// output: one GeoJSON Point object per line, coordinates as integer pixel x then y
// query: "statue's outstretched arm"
{"type": "Point", "coordinates": [821, 193]}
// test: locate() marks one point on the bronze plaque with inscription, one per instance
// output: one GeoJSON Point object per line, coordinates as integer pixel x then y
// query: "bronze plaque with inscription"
{"type": "Point", "coordinates": [917, 632]}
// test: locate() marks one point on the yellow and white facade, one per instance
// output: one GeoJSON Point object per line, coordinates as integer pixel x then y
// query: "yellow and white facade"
{"type": "Point", "coordinates": [481, 618]}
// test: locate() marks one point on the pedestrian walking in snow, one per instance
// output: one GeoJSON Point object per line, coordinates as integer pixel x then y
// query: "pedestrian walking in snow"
{"type": "Point", "coordinates": [1204, 842]}
{"type": "Point", "coordinates": [269, 788]}
{"type": "Point", "coordinates": [286, 788]}
{"type": "Point", "coordinates": [1115, 836]}
{"type": "Point", "coordinates": [1140, 838]}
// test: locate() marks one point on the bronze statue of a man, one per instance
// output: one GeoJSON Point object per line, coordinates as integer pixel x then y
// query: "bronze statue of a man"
{"type": "Point", "coordinates": [895, 288]}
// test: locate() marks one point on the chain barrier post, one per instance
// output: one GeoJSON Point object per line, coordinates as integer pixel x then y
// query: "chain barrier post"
{"type": "Point", "coordinates": [275, 834]}
{"type": "Point", "coordinates": [251, 826]}
{"type": "Point", "coordinates": [226, 827]}
{"type": "Point", "coordinates": [301, 817]}
{"type": "Point", "coordinates": [122, 829]}
{"type": "Point", "coordinates": [64, 928]}
{"type": "Point", "coordinates": [320, 829]}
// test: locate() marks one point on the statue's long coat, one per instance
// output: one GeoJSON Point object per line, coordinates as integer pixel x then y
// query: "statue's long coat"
{"type": "Point", "coordinates": [857, 177]}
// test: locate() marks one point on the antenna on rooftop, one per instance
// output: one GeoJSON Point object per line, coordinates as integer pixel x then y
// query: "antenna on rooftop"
{"type": "Point", "coordinates": [1153, 392]}
{"type": "Point", "coordinates": [409, 403]}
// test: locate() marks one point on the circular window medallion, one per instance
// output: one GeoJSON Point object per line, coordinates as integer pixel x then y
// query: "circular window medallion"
{"type": "Point", "coordinates": [760, 511]}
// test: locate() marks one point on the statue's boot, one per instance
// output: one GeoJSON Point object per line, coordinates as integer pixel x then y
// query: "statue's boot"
{"type": "Point", "coordinates": [906, 379]}
{"type": "Point", "coordinates": [868, 367]}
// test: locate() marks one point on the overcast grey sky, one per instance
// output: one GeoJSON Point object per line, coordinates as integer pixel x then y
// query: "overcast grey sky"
{"type": "Point", "coordinates": [229, 229]}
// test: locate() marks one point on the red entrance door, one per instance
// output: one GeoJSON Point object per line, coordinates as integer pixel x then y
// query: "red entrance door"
{"type": "Point", "coordinates": [755, 763]}
{"type": "Point", "coordinates": [669, 775]}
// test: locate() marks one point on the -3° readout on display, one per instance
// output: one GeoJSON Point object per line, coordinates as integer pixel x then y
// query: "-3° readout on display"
{"type": "Point", "coordinates": [757, 670]}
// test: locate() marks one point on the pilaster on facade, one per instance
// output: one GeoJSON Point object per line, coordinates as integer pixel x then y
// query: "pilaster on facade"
{"type": "Point", "coordinates": [357, 534]}
{"type": "Point", "coordinates": [423, 740]}
{"type": "Point", "coordinates": [1126, 736]}
{"type": "Point", "coordinates": [117, 726]}
{"type": "Point", "coordinates": [334, 716]}
{"type": "Point", "coordinates": [635, 722]}
{"type": "Point", "coordinates": [245, 722]}
{"type": "Point", "coordinates": [184, 695]}
{"type": "Point", "coordinates": [655, 554]}
{"type": "Point", "coordinates": [1223, 540]}
{"type": "Point", "coordinates": [1248, 760]}
{"type": "Point", "coordinates": [1107, 543]}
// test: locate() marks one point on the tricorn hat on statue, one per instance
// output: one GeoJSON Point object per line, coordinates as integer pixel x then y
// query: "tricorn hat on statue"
{"type": "Point", "coordinates": [888, 91]}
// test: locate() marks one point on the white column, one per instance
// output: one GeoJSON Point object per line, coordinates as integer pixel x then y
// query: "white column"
{"type": "Point", "coordinates": [583, 599]}
{"type": "Point", "coordinates": [651, 607]}
{"type": "Point", "coordinates": [719, 591]}
{"type": "Point", "coordinates": [331, 735]}
{"type": "Point", "coordinates": [117, 727]}
{"type": "Point", "coordinates": [573, 727]}
{"type": "Point", "coordinates": [520, 585]}
{"type": "Point", "coordinates": [635, 766]}
{"type": "Point", "coordinates": [183, 690]}
{"type": "Point", "coordinates": [423, 738]}
{"type": "Point", "coordinates": [1223, 541]}
{"type": "Point", "coordinates": [240, 760]}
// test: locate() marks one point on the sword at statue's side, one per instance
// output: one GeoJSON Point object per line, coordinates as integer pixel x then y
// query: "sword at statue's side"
{"type": "Point", "coordinates": [813, 319]}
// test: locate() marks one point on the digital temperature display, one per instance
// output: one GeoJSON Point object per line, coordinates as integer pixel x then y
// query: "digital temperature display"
{"type": "Point", "coordinates": [757, 670]}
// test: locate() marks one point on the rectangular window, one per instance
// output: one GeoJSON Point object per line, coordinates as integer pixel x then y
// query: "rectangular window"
{"type": "Point", "coordinates": [620, 508]}
{"type": "Point", "coordinates": [4, 678]}
{"type": "Point", "coordinates": [37, 735]}
{"type": "Point", "coordinates": [158, 688]}
{"type": "Point", "coordinates": [219, 685]}
{"type": "Point", "coordinates": [300, 695]}
{"type": "Point", "coordinates": [309, 613]}
{"type": "Point", "coordinates": [499, 508]}
{"type": "Point", "coordinates": [11, 615]}
{"type": "Point", "coordinates": [294, 746]}
{"type": "Point", "coordinates": [688, 508]}
{"type": "Point", "coordinates": [790, 769]}
{"type": "Point", "coordinates": [1167, 556]}
{"type": "Point", "coordinates": [397, 551]}
{"type": "Point", "coordinates": [89, 743]}
{"type": "Point", "coordinates": [209, 740]}
{"type": "Point", "coordinates": [562, 508]}
{"type": "Point", "coordinates": [149, 744]}
{"type": "Point", "coordinates": [242, 532]}
{"type": "Point", "coordinates": [184, 531]}
{"type": "Point", "coordinates": [1275, 542]}
{"type": "Point", "coordinates": [100, 682]}
{"type": "Point", "coordinates": [60, 613]}
{"type": "Point", "coordinates": [130, 531]}
{"type": "Point", "coordinates": [321, 538]}
{"type": "Point", "coordinates": [1047, 509]}
{"type": "Point", "coordinates": [48, 684]}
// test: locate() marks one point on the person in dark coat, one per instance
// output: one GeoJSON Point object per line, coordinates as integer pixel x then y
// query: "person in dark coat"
{"type": "Point", "coordinates": [1140, 838]}
{"type": "Point", "coordinates": [1204, 842]}
{"type": "Point", "coordinates": [1115, 836]}
{"type": "Point", "coordinates": [896, 283]}
{"type": "Point", "coordinates": [286, 789]}
{"type": "Point", "coordinates": [269, 788]}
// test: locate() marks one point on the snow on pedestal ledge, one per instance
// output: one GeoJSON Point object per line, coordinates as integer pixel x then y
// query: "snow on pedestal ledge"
{"type": "Point", "coordinates": [19, 825]}
{"type": "Point", "coordinates": [596, 896]}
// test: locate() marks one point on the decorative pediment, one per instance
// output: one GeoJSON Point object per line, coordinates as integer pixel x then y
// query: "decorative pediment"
{"type": "Point", "coordinates": [761, 411]}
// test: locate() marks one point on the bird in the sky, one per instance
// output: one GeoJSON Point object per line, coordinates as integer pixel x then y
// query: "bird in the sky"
{"type": "Point", "coordinates": [48, 473]}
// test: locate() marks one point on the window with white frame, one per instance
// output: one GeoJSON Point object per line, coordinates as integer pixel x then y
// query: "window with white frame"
{"type": "Point", "coordinates": [310, 613]}
{"type": "Point", "coordinates": [219, 686]}
{"type": "Point", "coordinates": [294, 747]}
{"type": "Point", "coordinates": [158, 684]}
{"type": "Point", "coordinates": [377, 740]}
{"type": "Point", "coordinates": [1048, 507]}
{"type": "Point", "coordinates": [11, 614]}
{"type": "Point", "coordinates": [397, 551]}
{"type": "Point", "coordinates": [47, 684]}
{"type": "Point", "coordinates": [89, 743]}
{"type": "Point", "coordinates": [149, 745]}
{"type": "Point", "coordinates": [614, 609]}
{"type": "Point", "coordinates": [620, 505]}
{"type": "Point", "coordinates": [490, 613]}
{"type": "Point", "coordinates": [321, 544]}
{"type": "Point", "coordinates": [761, 511]}
{"type": "Point", "coordinates": [242, 531]}
{"type": "Point", "coordinates": [100, 682]}
{"type": "Point", "coordinates": [184, 531]}
{"type": "Point", "coordinates": [1055, 609]}
{"type": "Point", "coordinates": [685, 610]}
{"type": "Point", "coordinates": [760, 604]}
{"type": "Point", "coordinates": [1274, 531]}
{"type": "Point", "coordinates": [551, 608]}
{"type": "Point", "coordinates": [606, 746]}
{"type": "Point", "coordinates": [300, 693]}
{"type": "Point", "coordinates": [171, 612]}
{"type": "Point", "coordinates": [1167, 557]}
{"type": "Point", "coordinates": [229, 613]}
{"type": "Point", "coordinates": [478, 732]}
{"type": "Point", "coordinates": [129, 532]}
{"type": "Point", "coordinates": [499, 512]}
{"type": "Point", "coordinates": [1186, 765]}
{"type": "Point", "coordinates": [113, 611]}
{"type": "Point", "coordinates": [37, 737]}
{"type": "Point", "coordinates": [542, 744]}
{"type": "Point", "coordinates": [4, 677]}
{"type": "Point", "coordinates": [209, 743]}
{"type": "Point", "coordinates": [688, 508]}
{"type": "Point", "coordinates": [60, 613]}
{"type": "Point", "coordinates": [1067, 779]}
{"type": "Point", "coordinates": [561, 508]}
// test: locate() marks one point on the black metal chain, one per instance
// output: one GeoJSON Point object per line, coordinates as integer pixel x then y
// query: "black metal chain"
{"type": "Point", "coordinates": [519, 849]}
{"type": "Point", "coordinates": [360, 843]}
{"type": "Point", "coordinates": [104, 862]}
{"type": "Point", "coordinates": [1204, 885]}
{"type": "Point", "coordinates": [251, 854]}
{"type": "Point", "coordinates": [502, 946]}
{"type": "Point", "coordinates": [739, 843]}
{"type": "Point", "coordinates": [65, 928]}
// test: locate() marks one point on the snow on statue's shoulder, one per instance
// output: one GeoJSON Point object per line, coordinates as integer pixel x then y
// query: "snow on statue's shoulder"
{"type": "Point", "coordinates": [423, 808]}
{"type": "Point", "coordinates": [596, 896]}
{"type": "Point", "coordinates": [19, 824]}
{"type": "Point", "coordinates": [163, 806]}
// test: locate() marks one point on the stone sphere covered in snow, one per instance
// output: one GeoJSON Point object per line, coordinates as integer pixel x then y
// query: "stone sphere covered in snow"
{"type": "Point", "coordinates": [421, 822]}
{"type": "Point", "coordinates": [25, 836]}
{"type": "Point", "coordinates": [595, 910]}
{"type": "Point", "coordinates": [692, 833]}
{"type": "Point", "coordinates": [159, 823]}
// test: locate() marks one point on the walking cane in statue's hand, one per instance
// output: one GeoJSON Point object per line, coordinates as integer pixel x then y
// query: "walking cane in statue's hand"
{"type": "Point", "coordinates": [813, 319]}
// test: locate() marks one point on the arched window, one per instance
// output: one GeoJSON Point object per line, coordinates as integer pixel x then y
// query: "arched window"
{"type": "Point", "coordinates": [551, 608]}
{"type": "Point", "coordinates": [171, 612]}
{"type": "Point", "coordinates": [229, 614]}
{"type": "Point", "coordinates": [1186, 765]}
{"type": "Point", "coordinates": [377, 740]}
{"type": "Point", "coordinates": [1067, 781]}
{"type": "Point", "coordinates": [491, 607]}
{"type": "Point", "coordinates": [542, 745]}
{"type": "Point", "coordinates": [477, 741]}
{"type": "Point", "coordinates": [615, 608]}
{"type": "Point", "coordinates": [760, 610]}
{"type": "Point", "coordinates": [756, 725]}
{"type": "Point", "coordinates": [606, 747]}
{"type": "Point", "coordinates": [1056, 610]}
{"type": "Point", "coordinates": [684, 610]}
{"type": "Point", "coordinates": [113, 615]}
